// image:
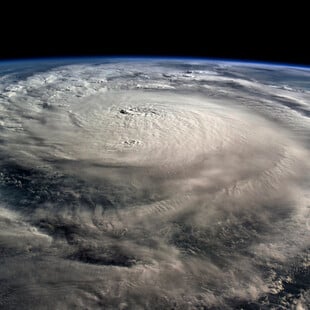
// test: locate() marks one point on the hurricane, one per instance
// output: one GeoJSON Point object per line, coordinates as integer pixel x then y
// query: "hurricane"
{"type": "Point", "coordinates": [154, 184]}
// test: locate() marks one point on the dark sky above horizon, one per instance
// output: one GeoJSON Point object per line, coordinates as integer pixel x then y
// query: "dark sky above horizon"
{"type": "Point", "coordinates": [144, 36]}
{"type": "Point", "coordinates": [260, 51]}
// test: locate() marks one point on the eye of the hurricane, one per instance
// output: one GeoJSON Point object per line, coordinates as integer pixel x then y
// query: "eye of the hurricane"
{"type": "Point", "coordinates": [129, 184]}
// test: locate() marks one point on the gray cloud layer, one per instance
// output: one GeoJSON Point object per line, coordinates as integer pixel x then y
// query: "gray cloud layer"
{"type": "Point", "coordinates": [145, 185]}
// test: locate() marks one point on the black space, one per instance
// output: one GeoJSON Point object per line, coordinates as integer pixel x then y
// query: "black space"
{"type": "Point", "coordinates": [197, 33]}
{"type": "Point", "coordinates": [259, 51]}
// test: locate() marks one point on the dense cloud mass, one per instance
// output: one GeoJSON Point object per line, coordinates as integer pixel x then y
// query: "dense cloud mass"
{"type": "Point", "coordinates": [154, 184]}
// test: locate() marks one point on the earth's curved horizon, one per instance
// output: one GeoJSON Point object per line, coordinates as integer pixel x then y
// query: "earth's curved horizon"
{"type": "Point", "coordinates": [91, 58]}
{"type": "Point", "coordinates": [154, 183]}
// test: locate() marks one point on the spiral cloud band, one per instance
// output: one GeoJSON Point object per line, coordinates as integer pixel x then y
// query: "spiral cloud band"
{"type": "Point", "coordinates": [154, 184]}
